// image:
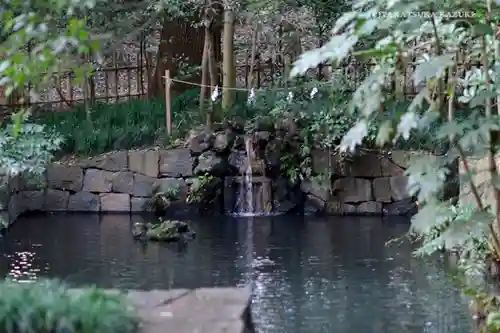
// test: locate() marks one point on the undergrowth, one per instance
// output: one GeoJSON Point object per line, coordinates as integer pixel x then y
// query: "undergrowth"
{"type": "Point", "coordinates": [323, 119]}
{"type": "Point", "coordinates": [49, 306]}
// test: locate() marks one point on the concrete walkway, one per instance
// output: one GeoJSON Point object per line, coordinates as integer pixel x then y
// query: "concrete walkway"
{"type": "Point", "coordinates": [205, 310]}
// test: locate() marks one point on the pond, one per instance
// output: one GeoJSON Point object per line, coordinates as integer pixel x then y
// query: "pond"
{"type": "Point", "coordinates": [309, 275]}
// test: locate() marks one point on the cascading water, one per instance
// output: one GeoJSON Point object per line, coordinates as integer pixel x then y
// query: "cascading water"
{"type": "Point", "coordinates": [254, 196]}
{"type": "Point", "coordinates": [245, 200]}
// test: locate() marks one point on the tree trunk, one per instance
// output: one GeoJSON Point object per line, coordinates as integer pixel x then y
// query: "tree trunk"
{"type": "Point", "coordinates": [179, 40]}
{"type": "Point", "coordinates": [255, 35]}
{"type": "Point", "coordinates": [214, 77]}
{"type": "Point", "coordinates": [204, 73]}
{"type": "Point", "coordinates": [228, 68]}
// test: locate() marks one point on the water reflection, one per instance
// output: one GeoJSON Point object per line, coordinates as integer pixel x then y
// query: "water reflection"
{"type": "Point", "coordinates": [309, 276]}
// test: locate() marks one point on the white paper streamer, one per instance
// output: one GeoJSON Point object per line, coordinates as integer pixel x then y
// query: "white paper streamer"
{"type": "Point", "coordinates": [314, 91]}
{"type": "Point", "coordinates": [251, 96]}
{"type": "Point", "coordinates": [215, 93]}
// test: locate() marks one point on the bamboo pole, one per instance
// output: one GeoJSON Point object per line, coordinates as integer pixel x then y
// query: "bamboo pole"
{"type": "Point", "coordinates": [168, 102]}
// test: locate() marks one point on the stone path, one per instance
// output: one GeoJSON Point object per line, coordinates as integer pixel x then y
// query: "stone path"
{"type": "Point", "coordinates": [205, 310]}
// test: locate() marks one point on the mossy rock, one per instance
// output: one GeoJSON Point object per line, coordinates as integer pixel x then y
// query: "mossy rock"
{"type": "Point", "coordinates": [166, 231]}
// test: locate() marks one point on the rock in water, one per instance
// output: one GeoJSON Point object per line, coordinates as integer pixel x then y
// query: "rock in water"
{"type": "Point", "coordinates": [139, 229]}
{"type": "Point", "coordinates": [166, 231]}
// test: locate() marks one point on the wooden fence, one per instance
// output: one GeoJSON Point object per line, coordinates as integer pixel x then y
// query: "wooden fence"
{"type": "Point", "coordinates": [119, 81]}
{"type": "Point", "coordinates": [127, 79]}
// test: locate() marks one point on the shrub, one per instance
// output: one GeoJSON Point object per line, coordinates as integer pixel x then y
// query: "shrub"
{"type": "Point", "coordinates": [121, 125]}
{"type": "Point", "coordinates": [323, 119]}
{"type": "Point", "coordinates": [49, 306]}
{"type": "Point", "coordinates": [26, 147]}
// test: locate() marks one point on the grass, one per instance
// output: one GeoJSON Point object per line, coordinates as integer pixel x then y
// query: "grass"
{"type": "Point", "coordinates": [132, 124]}
{"type": "Point", "coordinates": [121, 125]}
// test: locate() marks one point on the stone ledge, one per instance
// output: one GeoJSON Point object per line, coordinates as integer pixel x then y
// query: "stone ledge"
{"type": "Point", "coordinates": [207, 310]}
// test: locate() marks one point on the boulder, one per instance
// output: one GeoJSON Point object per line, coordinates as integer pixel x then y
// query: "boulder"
{"type": "Point", "coordinates": [166, 231]}
{"type": "Point", "coordinates": [348, 209]}
{"type": "Point", "coordinates": [239, 143]}
{"type": "Point", "coordinates": [273, 152]}
{"type": "Point", "coordinates": [4, 195]}
{"type": "Point", "coordinates": [315, 189]}
{"type": "Point", "coordinates": [314, 205]}
{"type": "Point", "coordinates": [262, 138]}
{"type": "Point", "coordinates": [405, 207]}
{"type": "Point", "coordinates": [210, 163]}
{"type": "Point", "coordinates": [237, 161]}
{"type": "Point", "coordinates": [159, 203]}
{"type": "Point", "coordinates": [166, 185]}
{"type": "Point", "coordinates": [15, 207]}
{"type": "Point", "coordinates": [369, 208]}
{"type": "Point", "coordinates": [223, 142]}
{"type": "Point", "coordinates": [287, 127]}
{"type": "Point", "coordinates": [199, 141]}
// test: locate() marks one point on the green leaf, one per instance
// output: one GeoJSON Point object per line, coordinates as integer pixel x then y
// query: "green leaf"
{"type": "Point", "coordinates": [433, 68]}
{"type": "Point", "coordinates": [480, 98]}
{"type": "Point", "coordinates": [482, 29]}
{"type": "Point", "coordinates": [377, 53]}
{"type": "Point", "coordinates": [493, 320]}
{"type": "Point", "coordinates": [335, 50]}
{"type": "Point", "coordinates": [384, 133]}
{"type": "Point", "coordinates": [345, 19]}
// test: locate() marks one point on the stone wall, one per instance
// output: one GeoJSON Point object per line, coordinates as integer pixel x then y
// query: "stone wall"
{"type": "Point", "coordinates": [479, 166]}
{"type": "Point", "coordinates": [119, 181]}
{"type": "Point", "coordinates": [123, 181]}
{"type": "Point", "coordinates": [372, 183]}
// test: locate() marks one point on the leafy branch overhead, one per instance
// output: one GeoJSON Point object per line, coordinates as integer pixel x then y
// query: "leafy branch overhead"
{"type": "Point", "coordinates": [455, 63]}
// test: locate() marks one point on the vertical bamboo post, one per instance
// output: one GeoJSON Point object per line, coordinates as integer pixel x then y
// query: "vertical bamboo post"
{"type": "Point", "coordinates": [57, 83]}
{"type": "Point", "coordinates": [129, 78]}
{"type": "Point", "coordinates": [106, 85]}
{"type": "Point", "coordinates": [168, 104]}
{"type": "Point", "coordinates": [117, 78]}
{"type": "Point", "coordinates": [138, 76]}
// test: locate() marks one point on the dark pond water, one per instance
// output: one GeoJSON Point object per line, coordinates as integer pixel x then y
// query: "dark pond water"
{"type": "Point", "coordinates": [329, 275]}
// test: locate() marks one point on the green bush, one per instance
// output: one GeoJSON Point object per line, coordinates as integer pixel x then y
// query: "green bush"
{"type": "Point", "coordinates": [49, 307]}
{"type": "Point", "coordinates": [133, 123]}
{"type": "Point", "coordinates": [121, 125]}
{"type": "Point", "coordinates": [323, 119]}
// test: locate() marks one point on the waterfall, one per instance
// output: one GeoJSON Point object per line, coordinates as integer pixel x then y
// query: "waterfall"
{"type": "Point", "coordinates": [254, 194]}
{"type": "Point", "coordinates": [245, 204]}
